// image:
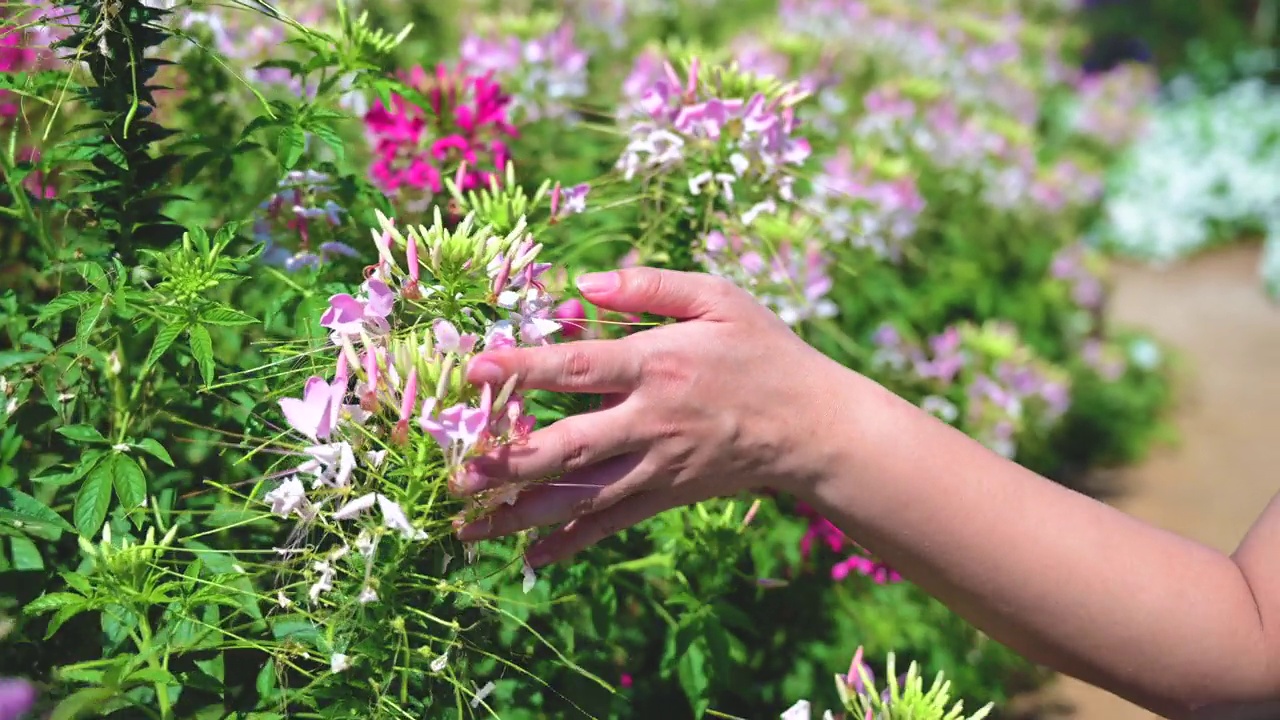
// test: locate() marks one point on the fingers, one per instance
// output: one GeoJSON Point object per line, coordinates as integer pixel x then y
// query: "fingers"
{"type": "Point", "coordinates": [588, 366]}
{"type": "Point", "coordinates": [566, 446]}
{"type": "Point", "coordinates": [669, 293]}
{"type": "Point", "coordinates": [586, 491]}
{"type": "Point", "coordinates": [591, 529]}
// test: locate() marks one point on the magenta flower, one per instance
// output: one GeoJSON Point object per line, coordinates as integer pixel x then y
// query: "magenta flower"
{"type": "Point", "coordinates": [571, 315]}
{"type": "Point", "coordinates": [461, 134]}
{"type": "Point", "coordinates": [879, 572]}
{"type": "Point", "coordinates": [316, 414]}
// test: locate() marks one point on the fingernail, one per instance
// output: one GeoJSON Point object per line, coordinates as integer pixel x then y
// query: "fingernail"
{"type": "Point", "coordinates": [482, 370]}
{"type": "Point", "coordinates": [592, 283]}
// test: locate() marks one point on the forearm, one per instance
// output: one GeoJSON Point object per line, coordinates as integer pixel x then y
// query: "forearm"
{"type": "Point", "coordinates": [1065, 580]}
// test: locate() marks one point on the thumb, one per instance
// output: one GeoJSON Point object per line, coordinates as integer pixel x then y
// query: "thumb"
{"type": "Point", "coordinates": [669, 293]}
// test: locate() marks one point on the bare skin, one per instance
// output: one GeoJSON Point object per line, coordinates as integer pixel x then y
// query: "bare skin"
{"type": "Point", "coordinates": [730, 400]}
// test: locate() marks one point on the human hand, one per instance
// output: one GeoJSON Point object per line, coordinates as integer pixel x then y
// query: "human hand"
{"type": "Point", "coordinates": [729, 399]}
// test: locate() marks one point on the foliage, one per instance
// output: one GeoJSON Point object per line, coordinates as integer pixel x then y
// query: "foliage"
{"type": "Point", "coordinates": [248, 251]}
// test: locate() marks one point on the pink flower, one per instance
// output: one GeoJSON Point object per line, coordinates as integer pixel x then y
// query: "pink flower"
{"type": "Point", "coordinates": [316, 414]}
{"type": "Point", "coordinates": [459, 428]}
{"type": "Point", "coordinates": [626, 681]}
{"type": "Point", "coordinates": [347, 316]}
{"type": "Point", "coordinates": [571, 315]}
{"type": "Point", "coordinates": [449, 340]}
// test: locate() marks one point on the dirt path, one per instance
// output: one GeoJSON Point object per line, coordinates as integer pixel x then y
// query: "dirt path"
{"type": "Point", "coordinates": [1226, 466]}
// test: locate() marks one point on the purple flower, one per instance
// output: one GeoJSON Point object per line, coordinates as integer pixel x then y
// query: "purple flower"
{"type": "Point", "coordinates": [16, 698]}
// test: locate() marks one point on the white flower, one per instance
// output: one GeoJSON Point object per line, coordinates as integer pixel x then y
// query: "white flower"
{"type": "Point", "coordinates": [393, 518]}
{"type": "Point", "coordinates": [800, 711]}
{"type": "Point", "coordinates": [355, 507]}
{"type": "Point", "coordinates": [324, 583]}
{"type": "Point", "coordinates": [330, 464]}
{"type": "Point", "coordinates": [282, 600]}
{"type": "Point", "coordinates": [367, 595]}
{"type": "Point", "coordinates": [121, 447]}
{"type": "Point", "coordinates": [482, 694]}
{"type": "Point", "coordinates": [529, 577]}
{"type": "Point", "coordinates": [375, 458]}
{"type": "Point", "coordinates": [439, 663]}
{"type": "Point", "coordinates": [365, 543]}
{"type": "Point", "coordinates": [339, 662]}
{"type": "Point", "coordinates": [289, 498]}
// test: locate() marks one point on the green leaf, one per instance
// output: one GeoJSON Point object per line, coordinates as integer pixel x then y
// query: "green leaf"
{"type": "Point", "coordinates": [225, 316]}
{"type": "Point", "coordinates": [64, 302]}
{"type": "Point", "coordinates": [331, 138]}
{"type": "Point", "coordinates": [79, 703]}
{"type": "Point", "coordinates": [26, 556]}
{"type": "Point", "coordinates": [164, 339]}
{"type": "Point", "coordinates": [94, 499]}
{"type": "Point", "coordinates": [292, 144]}
{"type": "Point", "coordinates": [692, 673]}
{"type": "Point", "coordinates": [202, 351]}
{"type": "Point", "coordinates": [49, 602]}
{"type": "Point", "coordinates": [34, 517]}
{"type": "Point", "coordinates": [82, 433]}
{"type": "Point", "coordinates": [154, 448]}
{"type": "Point", "coordinates": [9, 358]}
{"type": "Point", "coordinates": [87, 322]}
{"type": "Point", "coordinates": [130, 483]}
{"type": "Point", "coordinates": [267, 678]}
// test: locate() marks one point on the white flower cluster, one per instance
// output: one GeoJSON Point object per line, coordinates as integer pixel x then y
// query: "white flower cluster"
{"type": "Point", "coordinates": [1208, 164]}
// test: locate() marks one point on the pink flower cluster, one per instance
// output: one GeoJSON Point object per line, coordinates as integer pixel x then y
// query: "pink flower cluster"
{"type": "Point", "coordinates": [1111, 105]}
{"type": "Point", "coordinates": [822, 531]}
{"type": "Point", "coordinates": [1064, 185]}
{"type": "Point", "coordinates": [545, 74]}
{"type": "Point", "coordinates": [791, 281]}
{"type": "Point", "coordinates": [854, 207]}
{"type": "Point", "coordinates": [387, 385]}
{"type": "Point", "coordinates": [462, 133]}
{"type": "Point", "coordinates": [718, 142]}
{"type": "Point", "coordinates": [1072, 264]}
{"type": "Point", "coordinates": [297, 218]}
{"type": "Point", "coordinates": [997, 385]}
{"type": "Point", "coordinates": [951, 140]}
{"type": "Point", "coordinates": [15, 56]}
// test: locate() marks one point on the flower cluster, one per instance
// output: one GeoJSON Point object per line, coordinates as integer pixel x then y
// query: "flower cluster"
{"type": "Point", "coordinates": [298, 224]}
{"type": "Point", "coordinates": [1002, 387]}
{"type": "Point", "coordinates": [463, 133]}
{"type": "Point", "coordinates": [1111, 106]}
{"type": "Point", "coordinates": [821, 530]}
{"type": "Point", "coordinates": [791, 280]}
{"type": "Point", "coordinates": [855, 207]}
{"type": "Point", "coordinates": [1077, 265]}
{"type": "Point", "coordinates": [545, 74]}
{"type": "Point", "coordinates": [393, 397]}
{"type": "Point", "coordinates": [725, 147]}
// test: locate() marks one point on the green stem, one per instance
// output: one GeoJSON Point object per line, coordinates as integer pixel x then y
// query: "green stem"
{"type": "Point", "coordinates": [161, 687]}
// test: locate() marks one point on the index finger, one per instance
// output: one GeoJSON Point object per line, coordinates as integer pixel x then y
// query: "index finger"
{"type": "Point", "coordinates": [587, 366]}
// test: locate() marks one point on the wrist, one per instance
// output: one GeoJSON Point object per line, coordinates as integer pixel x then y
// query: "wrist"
{"type": "Point", "coordinates": [830, 431]}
